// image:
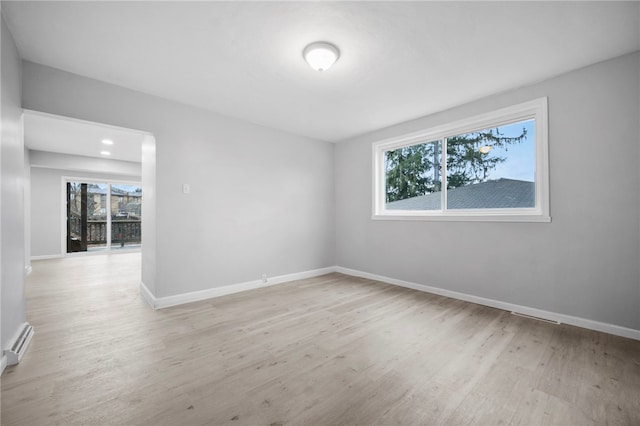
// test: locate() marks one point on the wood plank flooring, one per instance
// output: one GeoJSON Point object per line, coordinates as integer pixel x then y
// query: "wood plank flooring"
{"type": "Point", "coordinates": [331, 350]}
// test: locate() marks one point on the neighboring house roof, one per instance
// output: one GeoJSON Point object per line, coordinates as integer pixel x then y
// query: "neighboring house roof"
{"type": "Point", "coordinates": [118, 191]}
{"type": "Point", "coordinates": [492, 194]}
{"type": "Point", "coordinates": [95, 189]}
{"type": "Point", "coordinates": [132, 208]}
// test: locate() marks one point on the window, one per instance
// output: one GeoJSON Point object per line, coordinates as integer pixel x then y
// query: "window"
{"type": "Point", "coordinates": [493, 167]}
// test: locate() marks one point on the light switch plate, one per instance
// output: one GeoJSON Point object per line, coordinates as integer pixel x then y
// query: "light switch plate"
{"type": "Point", "coordinates": [186, 188]}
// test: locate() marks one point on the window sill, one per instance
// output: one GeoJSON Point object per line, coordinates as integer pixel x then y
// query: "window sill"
{"type": "Point", "coordinates": [464, 218]}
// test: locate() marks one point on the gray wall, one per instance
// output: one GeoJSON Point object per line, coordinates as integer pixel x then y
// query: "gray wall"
{"type": "Point", "coordinates": [47, 205]}
{"type": "Point", "coordinates": [12, 155]}
{"type": "Point", "coordinates": [584, 263]}
{"type": "Point", "coordinates": [149, 214]}
{"type": "Point", "coordinates": [261, 200]}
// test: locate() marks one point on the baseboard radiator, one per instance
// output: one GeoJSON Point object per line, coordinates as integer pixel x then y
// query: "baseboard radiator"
{"type": "Point", "coordinates": [20, 345]}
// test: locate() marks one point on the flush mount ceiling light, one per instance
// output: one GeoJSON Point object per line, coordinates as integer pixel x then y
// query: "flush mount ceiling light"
{"type": "Point", "coordinates": [107, 141]}
{"type": "Point", "coordinates": [321, 55]}
{"type": "Point", "coordinates": [105, 153]}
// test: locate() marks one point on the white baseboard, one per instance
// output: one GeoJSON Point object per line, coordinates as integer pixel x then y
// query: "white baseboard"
{"type": "Point", "coordinates": [147, 295]}
{"type": "Point", "coordinates": [3, 364]}
{"type": "Point", "coordinates": [195, 296]}
{"type": "Point", "coordinates": [551, 316]}
{"type": "Point", "coordinates": [47, 256]}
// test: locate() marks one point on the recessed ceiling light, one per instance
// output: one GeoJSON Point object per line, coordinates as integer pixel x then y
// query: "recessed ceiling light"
{"type": "Point", "coordinates": [107, 141]}
{"type": "Point", "coordinates": [321, 55]}
{"type": "Point", "coordinates": [105, 153]}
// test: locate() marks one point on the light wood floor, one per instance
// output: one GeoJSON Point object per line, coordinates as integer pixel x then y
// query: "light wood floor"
{"type": "Point", "coordinates": [332, 350]}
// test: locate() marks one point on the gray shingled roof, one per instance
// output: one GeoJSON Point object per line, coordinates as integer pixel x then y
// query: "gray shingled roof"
{"type": "Point", "coordinates": [102, 190]}
{"type": "Point", "coordinates": [492, 194]}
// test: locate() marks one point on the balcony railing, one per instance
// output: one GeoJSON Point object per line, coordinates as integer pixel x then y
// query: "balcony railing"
{"type": "Point", "coordinates": [123, 231]}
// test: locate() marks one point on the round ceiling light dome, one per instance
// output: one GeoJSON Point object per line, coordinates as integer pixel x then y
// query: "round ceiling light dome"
{"type": "Point", "coordinates": [321, 55]}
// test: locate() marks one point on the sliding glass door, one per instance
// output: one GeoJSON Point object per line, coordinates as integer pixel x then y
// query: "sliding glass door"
{"type": "Point", "coordinates": [126, 214]}
{"type": "Point", "coordinates": [103, 216]}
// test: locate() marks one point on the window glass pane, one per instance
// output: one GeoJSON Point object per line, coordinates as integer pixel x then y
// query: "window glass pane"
{"type": "Point", "coordinates": [86, 216]}
{"type": "Point", "coordinates": [413, 177]}
{"type": "Point", "coordinates": [96, 216]}
{"type": "Point", "coordinates": [126, 214]}
{"type": "Point", "coordinates": [492, 168]}
{"type": "Point", "coordinates": [74, 218]}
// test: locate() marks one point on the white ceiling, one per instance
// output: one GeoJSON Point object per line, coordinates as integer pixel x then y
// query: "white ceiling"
{"type": "Point", "coordinates": [46, 132]}
{"type": "Point", "coordinates": [399, 60]}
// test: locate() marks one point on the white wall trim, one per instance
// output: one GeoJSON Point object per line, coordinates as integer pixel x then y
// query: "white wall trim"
{"type": "Point", "coordinates": [47, 256]}
{"type": "Point", "coordinates": [195, 296]}
{"type": "Point", "coordinates": [511, 307]}
{"type": "Point", "coordinates": [147, 296]}
{"type": "Point", "coordinates": [3, 364]}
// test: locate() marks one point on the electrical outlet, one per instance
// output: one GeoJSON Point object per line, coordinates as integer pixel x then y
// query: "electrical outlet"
{"type": "Point", "coordinates": [264, 278]}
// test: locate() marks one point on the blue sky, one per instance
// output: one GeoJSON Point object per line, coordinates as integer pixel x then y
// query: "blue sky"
{"type": "Point", "coordinates": [520, 158]}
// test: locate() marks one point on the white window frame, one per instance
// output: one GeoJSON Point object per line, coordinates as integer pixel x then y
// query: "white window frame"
{"type": "Point", "coordinates": [536, 109]}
